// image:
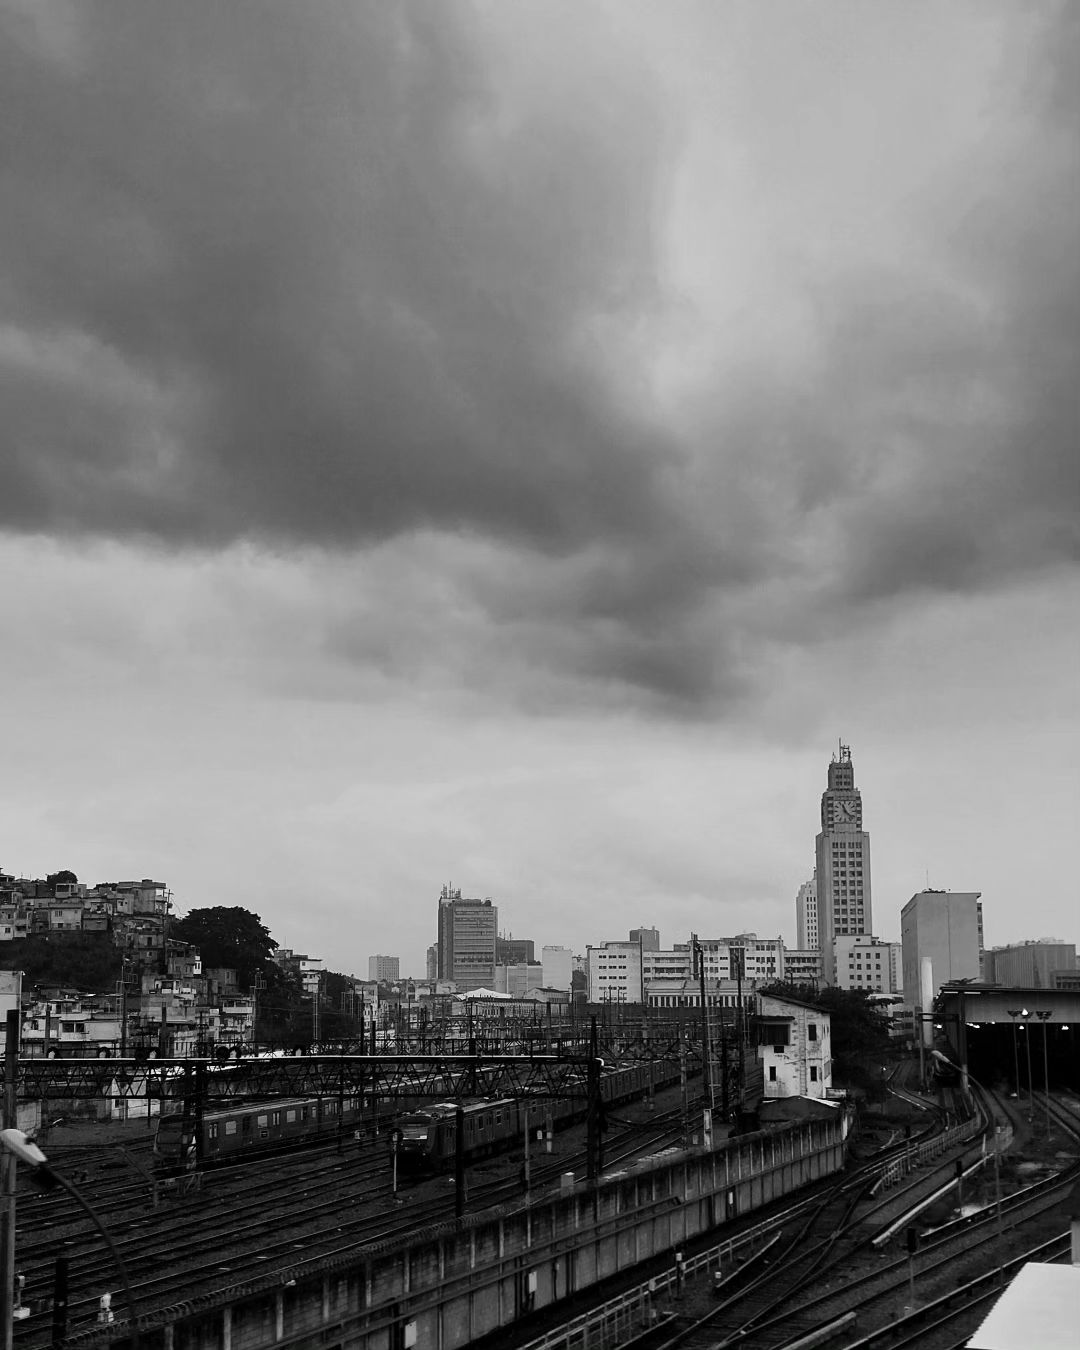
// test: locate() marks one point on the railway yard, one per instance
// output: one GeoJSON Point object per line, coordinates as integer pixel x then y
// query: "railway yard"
{"type": "Point", "coordinates": [835, 1268]}
{"type": "Point", "coordinates": [191, 1235]}
{"type": "Point", "coordinates": [906, 1247]}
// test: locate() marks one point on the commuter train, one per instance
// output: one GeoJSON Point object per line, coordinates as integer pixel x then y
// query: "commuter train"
{"type": "Point", "coordinates": [231, 1133]}
{"type": "Point", "coordinates": [428, 1138]}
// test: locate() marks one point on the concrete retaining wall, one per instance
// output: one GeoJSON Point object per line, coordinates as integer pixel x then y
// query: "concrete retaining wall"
{"type": "Point", "coordinates": [455, 1282]}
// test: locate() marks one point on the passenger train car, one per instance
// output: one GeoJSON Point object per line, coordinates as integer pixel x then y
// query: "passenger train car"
{"type": "Point", "coordinates": [231, 1133]}
{"type": "Point", "coordinates": [428, 1137]}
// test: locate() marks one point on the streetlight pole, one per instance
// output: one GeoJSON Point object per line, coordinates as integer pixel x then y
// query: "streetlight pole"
{"type": "Point", "coordinates": [1031, 1090]}
{"type": "Point", "coordinates": [1044, 1015]}
{"type": "Point", "coordinates": [15, 1145]}
{"type": "Point", "coordinates": [7, 1183]}
{"type": "Point", "coordinates": [1014, 1013]}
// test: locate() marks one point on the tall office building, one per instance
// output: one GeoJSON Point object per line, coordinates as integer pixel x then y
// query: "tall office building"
{"type": "Point", "coordinates": [843, 862]}
{"type": "Point", "coordinates": [558, 967]}
{"type": "Point", "coordinates": [468, 931]}
{"type": "Point", "coordinates": [512, 951]}
{"type": "Point", "coordinates": [806, 929]}
{"type": "Point", "coordinates": [946, 927]}
{"type": "Point", "coordinates": [385, 968]}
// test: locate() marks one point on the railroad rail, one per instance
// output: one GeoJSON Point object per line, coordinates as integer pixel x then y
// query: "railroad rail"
{"type": "Point", "coordinates": [249, 1221]}
{"type": "Point", "coordinates": [776, 1279]}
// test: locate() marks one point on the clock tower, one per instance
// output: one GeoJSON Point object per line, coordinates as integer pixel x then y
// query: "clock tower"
{"type": "Point", "coordinates": [843, 862]}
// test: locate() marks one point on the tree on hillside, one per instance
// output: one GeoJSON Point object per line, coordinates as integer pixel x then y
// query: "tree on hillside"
{"type": "Point", "coordinates": [228, 935]}
{"type": "Point", "coordinates": [284, 1014]}
{"type": "Point", "coordinates": [337, 1020]}
{"type": "Point", "coordinates": [86, 961]}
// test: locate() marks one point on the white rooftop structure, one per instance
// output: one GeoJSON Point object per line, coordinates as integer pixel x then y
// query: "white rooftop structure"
{"type": "Point", "coordinates": [1040, 1308]}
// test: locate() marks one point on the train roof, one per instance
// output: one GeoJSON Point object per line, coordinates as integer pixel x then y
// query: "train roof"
{"type": "Point", "coordinates": [250, 1108]}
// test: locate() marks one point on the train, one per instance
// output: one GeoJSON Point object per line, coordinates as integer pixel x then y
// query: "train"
{"type": "Point", "coordinates": [427, 1138]}
{"type": "Point", "coordinates": [248, 1130]}
{"type": "Point", "coordinates": [425, 1135]}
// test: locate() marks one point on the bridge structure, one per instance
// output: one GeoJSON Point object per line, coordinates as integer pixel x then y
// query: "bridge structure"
{"type": "Point", "coordinates": [1024, 1038]}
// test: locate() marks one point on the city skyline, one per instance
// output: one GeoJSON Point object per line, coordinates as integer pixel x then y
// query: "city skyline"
{"type": "Point", "coordinates": [517, 443]}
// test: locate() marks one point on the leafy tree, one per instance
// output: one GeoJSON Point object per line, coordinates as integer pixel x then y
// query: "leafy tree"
{"type": "Point", "coordinates": [86, 961]}
{"type": "Point", "coordinates": [284, 1014]}
{"type": "Point", "coordinates": [336, 1018]}
{"type": "Point", "coordinates": [229, 935]}
{"type": "Point", "coordinates": [55, 878]}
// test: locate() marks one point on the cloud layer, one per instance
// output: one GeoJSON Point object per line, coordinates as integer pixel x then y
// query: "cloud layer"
{"type": "Point", "coordinates": [612, 337]}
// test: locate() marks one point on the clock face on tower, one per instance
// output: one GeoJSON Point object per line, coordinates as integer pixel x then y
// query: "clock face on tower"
{"type": "Point", "coordinates": [845, 811]}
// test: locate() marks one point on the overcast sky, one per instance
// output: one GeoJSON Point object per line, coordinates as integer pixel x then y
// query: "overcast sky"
{"type": "Point", "coordinates": [509, 444]}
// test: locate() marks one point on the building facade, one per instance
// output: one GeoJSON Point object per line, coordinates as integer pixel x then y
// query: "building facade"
{"type": "Point", "coordinates": [745, 956]}
{"type": "Point", "coordinates": [666, 965]}
{"type": "Point", "coordinates": [468, 929]}
{"type": "Point", "coordinates": [1032, 965]}
{"type": "Point", "coordinates": [865, 962]}
{"type": "Point", "coordinates": [557, 964]}
{"type": "Point", "coordinates": [649, 938]}
{"type": "Point", "coordinates": [795, 1048]}
{"type": "Point", "coordinates": [842, 862]}
{"type": "Point", "coordinates": [511, 951]}
{"type": "Point", "coordinates": [518, 978]}
{"type": "Point", "coordinates": [807, 937]}
{"type": "Point", "coordinates": [614, 973]}
{"type": "Point", "coordinates": [384, 968]}
{"type": "Point", "coordinates": [944, 927]}
{"type": "Point", "coordinates": [802, 966]}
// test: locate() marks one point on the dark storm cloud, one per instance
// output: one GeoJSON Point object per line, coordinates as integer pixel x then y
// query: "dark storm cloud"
{"type": "Point", "coordinates": [346, 270]}
{"type": "Point", "coordinates": [342, 275]}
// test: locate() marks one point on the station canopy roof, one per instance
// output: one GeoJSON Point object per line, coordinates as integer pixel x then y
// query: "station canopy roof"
{"type": "Point", "coordinates": [1040, 1308]}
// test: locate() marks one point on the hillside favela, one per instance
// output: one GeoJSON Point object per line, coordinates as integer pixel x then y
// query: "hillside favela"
{"type": "Point", "coordinates": [858, 1137]}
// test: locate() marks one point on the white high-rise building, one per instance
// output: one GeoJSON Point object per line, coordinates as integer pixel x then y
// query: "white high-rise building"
{"type": "Point", "coordinates": [385, 968]}
{"type": "Point", "coordinates": [946, 927]}
{"type": "Point", "coordinates": [843, 863]}
{"type": "Point", "coordinates": [759, 958]}
{"type": "Point", "coordinates": [806, 915]}
{"type": "Point", "coordinates": [865, 962]}
{"type": "Point", "coordinates": [614, 972]}
{"type": "Point", "coordinates": [558, 967]}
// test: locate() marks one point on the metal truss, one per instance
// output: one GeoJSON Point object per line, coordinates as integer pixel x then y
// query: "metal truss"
{"type": "Point", "coordinates": [389, 1076]}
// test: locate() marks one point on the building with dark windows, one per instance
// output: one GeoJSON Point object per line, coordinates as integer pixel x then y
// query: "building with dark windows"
{"type": "Point", "coordinates": [468, 931]}
{"type": "Point", "coordinates": [510, 951]}
{"type": "Point", "coordinates": [806, 916]}
{"type": "Point", "coordinates": [843, 863]}
{"type": "Point", "coordinates": [384, 969]}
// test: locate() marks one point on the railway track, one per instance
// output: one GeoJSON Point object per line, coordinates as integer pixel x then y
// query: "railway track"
{"type": "Point", "coordinates": [849, 1281]}
{"type": "Point", "coordinates": [244, 1223]}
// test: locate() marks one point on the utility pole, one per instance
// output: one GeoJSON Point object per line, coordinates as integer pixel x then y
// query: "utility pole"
{"type": "Point", "coordinates": [121, 1005]}
{"type": "Point", "coordinates": [594, 1146]}
{"type": "Point", "coordinates": [706, 1039]}
{"type": "Point", "coordinates": [459, 1162]}
{"type": "Point", "coordinates": [8, 1163]}
{"type": "Point", "coordinates": [1044, 1016]}
{"type": "Point", "coordinates": [256, 989]}
{"type": "Point", "coordinates": [740, 959]}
